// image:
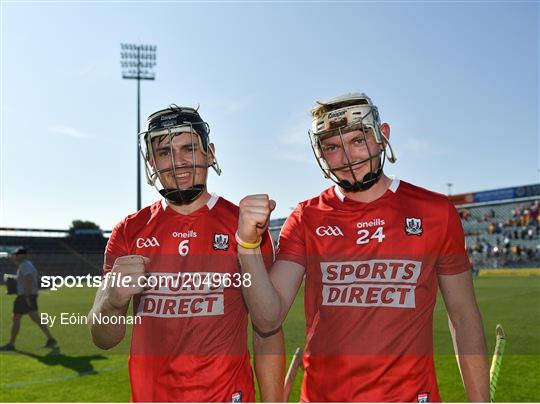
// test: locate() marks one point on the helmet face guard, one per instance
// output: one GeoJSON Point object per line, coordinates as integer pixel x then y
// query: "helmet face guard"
{"type": "Point", "coordinates": [341, 115]}
{"type": "Point", "coordinates": [172, 145]}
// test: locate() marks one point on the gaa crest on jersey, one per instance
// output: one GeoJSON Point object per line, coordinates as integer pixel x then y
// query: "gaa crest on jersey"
{"type": "Point", "coordinates": [423, 398]}
{"type": "Point", "coordinates": [333, 231]}
{"type": "Point", "coordinates": [237, 397]}
{"type": "Point", "coordinates": [413, 226]}
{"type": "Point", "coordinates": [221, 241]}
{"type": "Point", "coordinates": [147, 242]}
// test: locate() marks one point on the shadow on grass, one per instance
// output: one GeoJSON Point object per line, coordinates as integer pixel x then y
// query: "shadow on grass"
{"type": "Point", "coordinates": [80, 364]}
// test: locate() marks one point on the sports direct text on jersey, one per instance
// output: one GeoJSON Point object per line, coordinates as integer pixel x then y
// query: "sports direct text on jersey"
{"type": "Point", "coordinates": [183, 299]}
{"type": "Point", "coordinates": [388, 283]}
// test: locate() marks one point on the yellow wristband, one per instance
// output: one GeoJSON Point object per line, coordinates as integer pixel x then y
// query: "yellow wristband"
{"type": "Point", "coordinates": [246, 244]}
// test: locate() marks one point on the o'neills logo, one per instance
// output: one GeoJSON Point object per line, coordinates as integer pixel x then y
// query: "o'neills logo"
{"type": "Point", "coordinates": [182, 296]}
{"type": "Point", "coordinates": [371, 223]}
{"type": "Point", "coordinates": [386, 283]}
{"type": "Point", "coordinates": [187, 234]}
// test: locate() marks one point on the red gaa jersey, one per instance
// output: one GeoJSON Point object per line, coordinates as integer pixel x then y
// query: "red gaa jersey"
{"type": "Point", "coordinates": [370, 290]}
{"type": "Point", "coordinates": [191, 343]}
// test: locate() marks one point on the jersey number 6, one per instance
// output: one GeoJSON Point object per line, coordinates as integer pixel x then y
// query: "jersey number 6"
{"type": "Point", "coordinates": [183, 248]}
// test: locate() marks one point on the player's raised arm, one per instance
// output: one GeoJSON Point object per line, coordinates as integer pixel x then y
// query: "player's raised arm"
{"type": "Point", "coordinates": [112, 300]}
{"type": "Point", "coordinates": [271, 293]}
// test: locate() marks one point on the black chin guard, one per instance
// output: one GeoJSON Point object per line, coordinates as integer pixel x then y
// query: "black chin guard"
{"type": "Point", "coordinates": [369, 179]}
{"type": "Point", "coordinates": [367, 182]}
{"type": "Point", "coordinates": [182, 196]}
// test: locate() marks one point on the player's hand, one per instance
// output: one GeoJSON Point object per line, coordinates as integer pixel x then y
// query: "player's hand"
{"type": "Point", "coordinates": [254, 216]}
{"type": "Point", "coordinates": [131, 267]}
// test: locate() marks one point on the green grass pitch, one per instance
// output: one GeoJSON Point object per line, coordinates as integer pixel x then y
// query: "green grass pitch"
{"type": "Point", "coordinates": [81, 372]}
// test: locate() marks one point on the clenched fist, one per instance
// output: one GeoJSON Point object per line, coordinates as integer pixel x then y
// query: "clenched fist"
{"type": "Point", "coordinates": [254, 216]}
{"type": "Point", "coordinates": [124, 281]}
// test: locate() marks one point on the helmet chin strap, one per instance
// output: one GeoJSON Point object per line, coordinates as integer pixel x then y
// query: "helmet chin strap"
{"type": "Point", "coordinates": [367, 182]}
{"type": "Point", "coordinates": [369, 179]}
{"type": "Point", "coordinates": [182, 197]}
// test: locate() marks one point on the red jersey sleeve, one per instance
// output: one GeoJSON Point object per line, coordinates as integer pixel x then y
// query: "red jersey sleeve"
{"type": "Point", "coordinates": [291, 246]}
{"type": "Point", "coordinates": [267, 250]}
{"type": "Point", "coordinates": [117, 246]}
{"type": "Point", "coordinates": [453, 258]}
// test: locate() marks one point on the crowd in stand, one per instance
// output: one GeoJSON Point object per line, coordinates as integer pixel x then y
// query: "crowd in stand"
{"type": "Point", "coordinates": [514, 244]}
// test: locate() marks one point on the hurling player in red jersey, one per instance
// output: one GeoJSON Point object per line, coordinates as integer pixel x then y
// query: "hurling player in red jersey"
{"type": "Point", "coordinates": [178, 255]}
{"type": "Point", "coordinates": [373, 251]}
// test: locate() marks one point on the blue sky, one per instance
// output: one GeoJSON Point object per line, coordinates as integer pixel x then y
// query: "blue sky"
{"type": "Point", "coordinates": [457, 81]}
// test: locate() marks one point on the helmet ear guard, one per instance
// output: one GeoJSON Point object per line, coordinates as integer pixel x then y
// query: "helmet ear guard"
{"type": "Point", "coordinates": [343, 114]}
{"type": "Point", "coordinates": [163, 126]}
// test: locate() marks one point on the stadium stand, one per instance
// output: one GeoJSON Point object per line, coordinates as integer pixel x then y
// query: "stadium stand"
{"type": "Point", "coordinates": [275, 227]}
{"type": "Point", "coordinates": [59, 254]}
{"type": "Point", "coordinates": [503, 234]}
